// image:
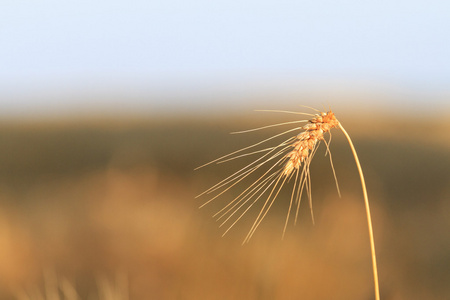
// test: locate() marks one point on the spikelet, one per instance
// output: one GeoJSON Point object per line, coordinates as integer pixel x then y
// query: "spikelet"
{"type": "Point", "coordinates": [279, 164]}
{"type": "Point", "coordinates": [307, 140]}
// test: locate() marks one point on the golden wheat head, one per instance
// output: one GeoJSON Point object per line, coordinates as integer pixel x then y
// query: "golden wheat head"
{"type": "Point", "coordinates": [288, 161]}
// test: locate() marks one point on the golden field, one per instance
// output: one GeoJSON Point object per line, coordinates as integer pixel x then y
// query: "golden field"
{"type": "Point", "coordinates": [106, 208]}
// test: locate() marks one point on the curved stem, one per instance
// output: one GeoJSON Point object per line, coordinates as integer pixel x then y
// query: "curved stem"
{"type": "Point", "coordinates": [369, 219]}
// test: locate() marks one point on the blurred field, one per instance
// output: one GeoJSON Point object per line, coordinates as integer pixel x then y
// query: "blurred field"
{"type": "Point", "coordinates": [92, 200]}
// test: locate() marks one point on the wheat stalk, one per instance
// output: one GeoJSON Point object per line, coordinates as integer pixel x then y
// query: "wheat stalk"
{"type": "Point", "coordinates": [369, 219]}
{"type": "Point", "coordinates": [279, 164]}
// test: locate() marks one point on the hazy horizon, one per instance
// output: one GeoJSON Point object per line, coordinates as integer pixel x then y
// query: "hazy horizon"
{"type": "Point", "coordinates": [190, 55]}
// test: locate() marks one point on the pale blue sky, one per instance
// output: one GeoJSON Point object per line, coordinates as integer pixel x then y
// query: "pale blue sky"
{"type": "Point", "coordinates": [129, 48]}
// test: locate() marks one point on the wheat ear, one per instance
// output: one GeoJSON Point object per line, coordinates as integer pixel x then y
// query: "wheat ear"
{"type": "Point", "coordinates": [369, 219]}
{"type": "Point", "coordinates": [292, 160]}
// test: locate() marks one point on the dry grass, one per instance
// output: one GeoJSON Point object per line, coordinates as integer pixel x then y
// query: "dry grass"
{"type": "Point", "coordinates": [63, 289]}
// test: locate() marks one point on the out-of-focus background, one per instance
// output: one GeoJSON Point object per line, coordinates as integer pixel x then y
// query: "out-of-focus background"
{"type": "Point", "coordinates": [106, 108]}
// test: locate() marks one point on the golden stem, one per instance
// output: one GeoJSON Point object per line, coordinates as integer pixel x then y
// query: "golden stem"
{"type": "Point", "coordinates": [369, 219]}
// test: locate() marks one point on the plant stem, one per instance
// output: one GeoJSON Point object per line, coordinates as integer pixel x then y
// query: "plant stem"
{"type": "Point", "coordinates": [369, 219]}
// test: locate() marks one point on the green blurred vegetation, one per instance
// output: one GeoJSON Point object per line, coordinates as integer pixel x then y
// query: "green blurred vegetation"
{"type": "Point", "coordinates": [90, 198]}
